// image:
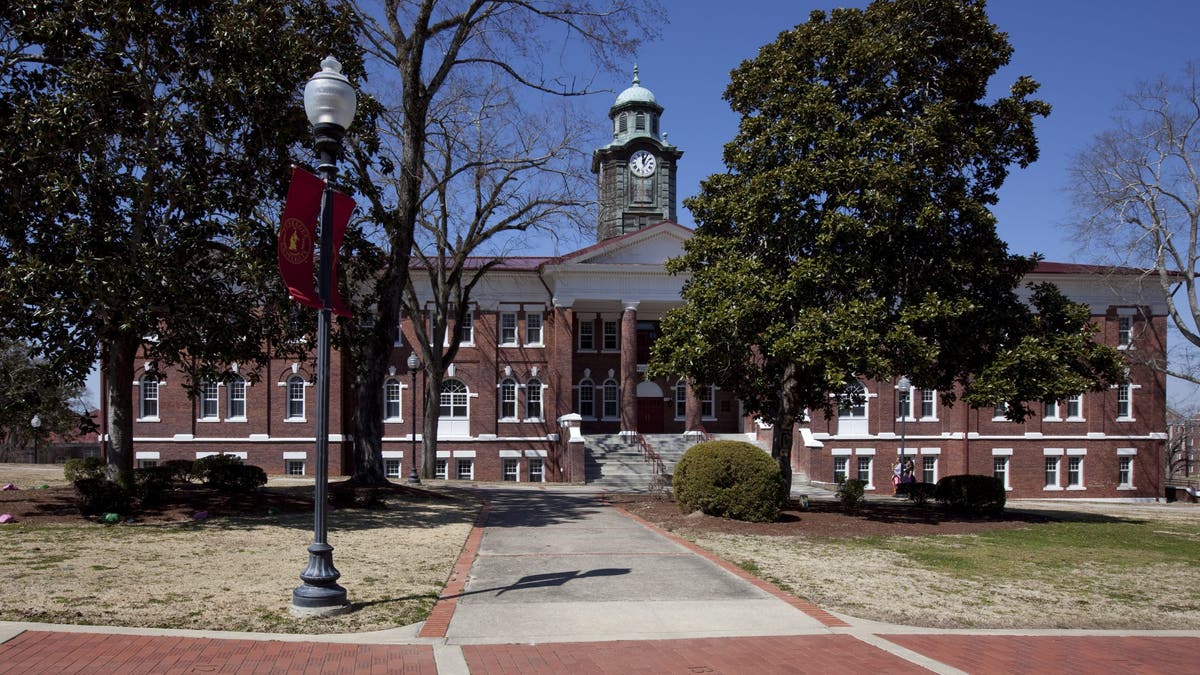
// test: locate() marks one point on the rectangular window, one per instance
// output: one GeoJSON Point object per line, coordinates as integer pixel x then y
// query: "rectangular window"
{"type": "Point", "coordinates": [587, 400]}
{"type": "Point", "coordinates": [391, 400]}
{"type": "Point", "coordinates": [533, 400]}
{"type": "Point", "coordinates": [399, 330]}
{"type": "Point", "coordinates": [149, 396]}
{"type": "Point", "coordinates": [293, 467]}
{"type": "Point", "coordinates": [391, 468]}
{"type": "Point", "coordinates": [904, 401]}
{"type": "Point", "coordinates": [1075, 407]}
{"type": "Point", "coordinates": [839, 469]}
{"type": "Point", "coordinates": [611, 336]}
{"type": "Point", "coordinates": [465, 469]}
{"type": "Point", "coordinates": [512, 470]}
{"type": "Point", "coordinates": [147, 463]}
{"type": "Point", "coordinates": [508, 329]}
{"type": "Point", "coordinates": [440, 468]}
{"type": "Point", "coordinates": [1124, 401]}
{"type": "Point", "coordinates": [610, 399]}
{"type": "Point", "coordinates": [864, 469]}
{"type": "Point", "coordinates": [1050, 412]}
{"type": "Point", "coordinates": [1124, 331]}
{"type": "Point", "coordinates": [1075, 472]}
{"type": "Point", "coordinates": [537, 471]}
{"type": "Point", "coordinates": [929, 469]}
{"type": "Point", "coordinates": [587, 335]}
{"type": "Point", "coordinates": [508, 400]}
{"type": "Point", "coordinates": [1125, 471]}
{"type": "Point", "coordinates": [708, 395]}
{"type": "Point", "coordinates": [680, 400]}
{"type": "Point", "coordinates": [237, 399]}
{"type": "Point", "coordinates": [928, 404]}
{"type": "Point", "coordinates": [465, 332]}
{"type": "Point", "coordinates": [533, 329]}
{"type": "Point", "coordinates": [1052, 472]}
{"type": "Point", "coordinates": [1000, 470]}
{"type": "Point", "coordinates": [1000, 412]}
{"type": "Point", "coordinates": [208, 400]}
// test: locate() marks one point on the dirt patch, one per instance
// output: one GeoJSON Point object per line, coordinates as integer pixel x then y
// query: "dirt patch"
{"type": "Point", "coordinates": [826, 519]}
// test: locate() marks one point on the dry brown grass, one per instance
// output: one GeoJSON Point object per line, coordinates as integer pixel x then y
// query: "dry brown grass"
{"type": "Point", "coordinates": [228, 573]}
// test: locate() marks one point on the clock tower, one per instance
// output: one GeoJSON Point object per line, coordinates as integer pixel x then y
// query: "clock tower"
{"type": "Point", "coordinates": [636, 171]}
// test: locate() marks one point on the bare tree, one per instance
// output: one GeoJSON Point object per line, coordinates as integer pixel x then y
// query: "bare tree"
{"type": "Point", "coordinates": [423, 56]}
{"type": "Point", "coordinates": [1137, 188]}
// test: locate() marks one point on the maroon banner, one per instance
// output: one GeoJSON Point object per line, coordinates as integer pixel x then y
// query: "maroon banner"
{"type": "Point", "coordinates": [343, 207]}
{"type": "Point", "coordinates": [297, 235]}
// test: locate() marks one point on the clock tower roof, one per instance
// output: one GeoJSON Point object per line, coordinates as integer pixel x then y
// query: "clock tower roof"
{"type": "Point", "coordinates": [635, 94]}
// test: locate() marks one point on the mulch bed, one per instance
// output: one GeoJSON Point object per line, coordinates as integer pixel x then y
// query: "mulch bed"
{"type": "Point", "coordinates": [826, 519]}
{"type": "Point", "coordinates": [58, 504]}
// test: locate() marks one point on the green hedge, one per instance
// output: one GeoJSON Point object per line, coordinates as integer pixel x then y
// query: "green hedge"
{"type": "Point", "coordinates": [972, 492]}
{"type": "Point", "coordinates": [228, 473]}
{"type": "Point", "coordinates": [81, 468]}
{"type": "Point", "coordinates": [730, 479]}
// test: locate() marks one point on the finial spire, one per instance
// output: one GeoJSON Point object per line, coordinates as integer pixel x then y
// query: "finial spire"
{"type": "Point", "coordinates": [636, 81]}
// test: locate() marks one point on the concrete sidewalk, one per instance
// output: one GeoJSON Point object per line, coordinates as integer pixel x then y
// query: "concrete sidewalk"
{"type": "Point", "coordinates": [556, 581]}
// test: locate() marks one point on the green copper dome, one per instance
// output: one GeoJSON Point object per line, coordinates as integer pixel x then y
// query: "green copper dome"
{"type": "Point", "coordinates": [636, 93]}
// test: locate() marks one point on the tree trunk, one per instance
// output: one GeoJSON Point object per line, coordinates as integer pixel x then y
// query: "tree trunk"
{"type": "Point", "coordinates": [116, 360]}
{"type": "Point", "coordinates": [789, 412]}
{"type": "Point", "coordinates": [429, 440]}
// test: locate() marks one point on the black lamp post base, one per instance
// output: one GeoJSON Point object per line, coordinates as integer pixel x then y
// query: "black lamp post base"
{"type": "Point", "coordinates": [320, 594]}
{"type": "Point", "coordinates": [414, 479]}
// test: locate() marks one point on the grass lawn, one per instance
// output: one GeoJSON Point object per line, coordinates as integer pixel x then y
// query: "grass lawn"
{"type": "Point", "coordinates": [1092, 570]}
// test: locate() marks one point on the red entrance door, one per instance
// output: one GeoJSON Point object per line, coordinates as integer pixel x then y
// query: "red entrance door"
{"type": "Point", "coordinates": [650, 415]}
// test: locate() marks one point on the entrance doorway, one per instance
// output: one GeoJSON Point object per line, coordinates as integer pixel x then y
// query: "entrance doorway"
{"type": "Point", "coordinates": [650, 409]}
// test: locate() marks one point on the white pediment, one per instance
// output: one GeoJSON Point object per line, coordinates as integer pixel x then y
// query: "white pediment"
{"type": "Point", "coordinates": [651, 246]}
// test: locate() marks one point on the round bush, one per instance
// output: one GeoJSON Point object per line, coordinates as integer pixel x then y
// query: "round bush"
{"type": "Point", "coordinates": [971, 492]}
{"type": "Point", "coordinates": [80, 468]}
{"type": "Point", "coordinates": [730, 479]}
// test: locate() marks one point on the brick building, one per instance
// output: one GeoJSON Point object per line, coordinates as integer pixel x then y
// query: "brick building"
{"type": "Point", "coordinates": [555, 351]}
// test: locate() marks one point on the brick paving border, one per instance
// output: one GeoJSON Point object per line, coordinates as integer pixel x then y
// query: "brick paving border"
{"type": "Point", "coordinates": [987, 654]}
{"type": "Point", "coordinates": [438, 621]}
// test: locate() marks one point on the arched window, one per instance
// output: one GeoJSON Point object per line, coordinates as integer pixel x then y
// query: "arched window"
{"type": "Point", "coordinates": [508, 399]}
{"type": "Point", "coordinates": [148, 396]}
{"type": "Point", "coordinates": [391, 399]}
{"type": "Point", "coordinates": [852, 410]}
{"type": "Point", "coordinates": [533, 399]}
{"type": "Point", "coordinates": [453, 400]}
{"type": "Point", "coordinates": [610, 399]}
{"type": "Point", "coordinates": [295, 398]}
{"type": "Point", "coordinates": [587, 399]}
{"type": "Point", "coordinates": [680, 399]}
{"type": "Point", "coordinates": [237, 398]}
{"type": "Point", "coordinates": [209, 400]}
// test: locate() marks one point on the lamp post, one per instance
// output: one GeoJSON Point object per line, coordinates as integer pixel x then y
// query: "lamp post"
{"type": "Point", "coordinates": [905, 388]}
{"type": "Point", "coordinates": [36, 423]}
{"type": "Point", "coordinates": [414, 362]}
{"type": "Point", "coordinates": [329, 102]}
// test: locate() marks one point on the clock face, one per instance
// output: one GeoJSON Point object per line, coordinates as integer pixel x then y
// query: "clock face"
{"type": "Point", "coordinates": [642, 163]}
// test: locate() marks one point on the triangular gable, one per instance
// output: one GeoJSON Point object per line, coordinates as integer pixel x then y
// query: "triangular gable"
{"type": "Point", "coordinates": [652, 245]}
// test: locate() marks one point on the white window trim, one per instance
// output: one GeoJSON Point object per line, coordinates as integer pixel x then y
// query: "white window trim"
{"type": "Point", "coordinates": [933, 416]}
{"type": "Point", "coordinates": [579, 387]}
{"type": "Point", "coordinates": [245, 402]}
{"type": "Point", "coordinates": [1125, 346]}
{"type": "Point", "coordinates": [1073, 454]}
{"type": "Point", "coordinates": [541, 330]}
{"type": "Point", "coordinates": [1055, 454]}
{"type": "Point", "coordinates": [1057, 416]}
{"type": "Point", "coordinates": [542, 386]}
{"type": "Point", "coordinates": [1132, 387]}
{"type": "Point", "coordinates": [458, 460]}
{"type": "Point", "coordinates": [501, 340]}
{"type": "Point", "coordinates": [516, 400]}
{"type": "Point", "coordinates": [1000, 418]}
{"type": "Point", "coordinates": [610, 350]}
{"type": "Point", "coordinates": [860, 455]}
{"type": "Point", "coordinates": [399, 403]}
{"type": "Point", "coordinates": [1121, 454]}
{"type": "Point", "coordinates": [1006, 453]}
{"type": "Point", "coordinates": [579, 336]}
{"type": "Point", "coordinates": [216, 416]}
{"type": "Point", "coordinates": [1075, 418]}
{"type": "Point", "coordinates": [908, 415]}
{"type": "Point", "coordinates": [700, 398]}
{"type": "Point", "coordinates": [504, 472]}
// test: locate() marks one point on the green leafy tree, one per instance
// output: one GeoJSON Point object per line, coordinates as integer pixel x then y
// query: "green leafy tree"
{"type": "Point", "coordinates": [140, 138]}
{"type": "Point", "coordinates": [851, 236]}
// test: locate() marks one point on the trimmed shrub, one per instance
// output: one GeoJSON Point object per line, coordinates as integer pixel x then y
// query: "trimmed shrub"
{"type": "Point", "coordinates": [181, 469]}
{"type": "Point", "coordinates": [150, 483]}
{"type": "Point", "coordinates": [729, 479]}
{"type": "Point", "coordinates": [917, 493]}
{"type": "Point", "coordinates": [975, 493]}
{"type": "Point", "coordinates": [236, 478]}
{"type": "Point", "coordinates": [851, 493]}
{"type": "Point", "coordinates": [202, 467]}
{"type": "Point", "coordinates": [80, 468]}
{"type": "Point", "coordinates": [95, 496]}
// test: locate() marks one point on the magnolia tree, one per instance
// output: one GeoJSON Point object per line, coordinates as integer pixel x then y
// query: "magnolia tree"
{"type": "Point", "coordinates": [851, 234]}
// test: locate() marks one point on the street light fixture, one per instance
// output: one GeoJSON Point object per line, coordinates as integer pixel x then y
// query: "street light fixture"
{"type": "Point", "coordinates": [414, 362]}
{"type": "Point", "coordinates": [36, 423]}
{"type": "Point", "coordinates": [329, 102]}
{"type": "Point", "coordinates": [905, 388]}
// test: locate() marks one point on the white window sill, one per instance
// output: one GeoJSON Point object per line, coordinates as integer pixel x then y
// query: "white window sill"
{"type": "Point", "coordinates": [393, 420]}
{"type": "Point", "coordinates": [294, 420]}
{"type": "Point", "coordinates": [534, 420]}
{"type": "Point", "coordinates": [236, 420]}
{"type": "Point", "coordinates": [1126, 419]}
{"type": "Point", "coordinates": [536, 345]}
{"type": "Point", "coordinates": [1001, 419]}
{"type": "Point", "coordinates": [1126, 487]}
{"type": "Point", "coordinates": [1075, 419]}
{"type": "Point", "coordinates": [148, 419]}
{"type": "Point", "coordinates": [928, 419]}
{"type": "Point", "coordinates": [1076, 488]}
{"type": "Point", "coordinates": [508, 420]}
{"type": "Point", "coordinates": [510, 345]}
{"type": "Point", "coordinates": [1052, 419]}
{"type": "Point", "coordinates": [1052, 488]}
{"type": "Point", "coordinates": [710, 418]}
{"type": "Point", "coordinates": [1126, 348]}
{"type": "Point", "coordinates": [906, 419]}
{"type": "Point", "coordinates": [208, 420]}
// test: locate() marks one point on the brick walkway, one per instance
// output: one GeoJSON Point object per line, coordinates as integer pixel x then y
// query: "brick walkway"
{"type": "Point", "coordinates": [49, 652]}
{"type": "Point", "coordinates": [985, 654]}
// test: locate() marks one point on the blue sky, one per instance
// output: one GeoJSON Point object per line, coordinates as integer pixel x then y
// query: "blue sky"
{"type": "Point", "coordinates": [1086, 55]}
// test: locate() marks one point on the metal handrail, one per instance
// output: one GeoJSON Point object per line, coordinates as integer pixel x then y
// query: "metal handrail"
{"type": "Point", "coordinates": [650, 455]}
